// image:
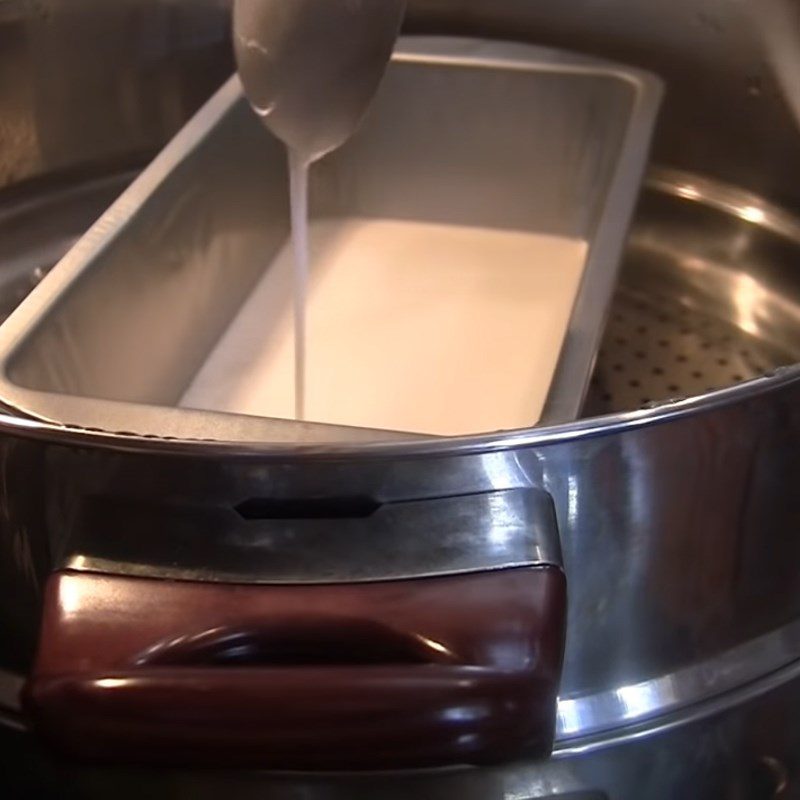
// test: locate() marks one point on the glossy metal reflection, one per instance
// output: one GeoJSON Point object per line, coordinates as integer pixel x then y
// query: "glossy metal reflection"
{"type": "Point", "coordinates": [403, 538]}
{"type": "Point", "coordinates": [725, 120]}
{"type": "Point", "coordinates": [650, 536]}
{"type": "Point", "coordinates": [632, 704]}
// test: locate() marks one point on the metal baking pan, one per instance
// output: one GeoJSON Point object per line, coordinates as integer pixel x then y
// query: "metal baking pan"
{"type": "Point", "coordinates": [536, 140]}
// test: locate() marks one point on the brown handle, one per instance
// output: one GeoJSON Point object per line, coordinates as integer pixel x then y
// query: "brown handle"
{"type": "Point", "coordinates": [411, 673]}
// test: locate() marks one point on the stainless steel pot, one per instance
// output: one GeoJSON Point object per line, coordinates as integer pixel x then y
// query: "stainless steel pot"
{"type": "Point", "coordinates": [701, 617]}
{"type": "Point", "coordinates": [438, 610]}
{"type": "Point", "coordinates": [674, 521]}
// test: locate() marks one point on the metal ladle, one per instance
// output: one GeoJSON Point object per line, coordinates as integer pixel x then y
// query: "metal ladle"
{"type": "Point", "coordinates": [310, 67]}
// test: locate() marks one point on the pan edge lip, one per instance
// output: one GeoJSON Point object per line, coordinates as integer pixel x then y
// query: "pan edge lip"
{"type": "Point", "coordinates": [782, 379]}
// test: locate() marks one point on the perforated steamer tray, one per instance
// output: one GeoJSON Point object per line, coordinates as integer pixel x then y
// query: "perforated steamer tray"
{"type": "Point", "coordinates": [707, 299]}
{"type": "Point", "coordinates": [113, 336]}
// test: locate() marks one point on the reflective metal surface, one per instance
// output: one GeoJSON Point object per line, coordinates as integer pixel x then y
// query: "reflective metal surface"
{"type": "Point", "coordinates": [87, 84]}
{"type": "Point", "coordinates": [708, 299]}
{"type": "Point", "coordinates": [268, 540]}
{"type": "Point", "coordinates": [564, 156]}
{"type": "Point", "coordinates": [653, 546]}
{"type": "Point", "coordinates": [39, 227]}
{"type": "Point", "coordinates": [692, 504]}
{"type": "Point", "coordinates": [729, 110]}
{"type": "Point", "coordinates": [586, 722]}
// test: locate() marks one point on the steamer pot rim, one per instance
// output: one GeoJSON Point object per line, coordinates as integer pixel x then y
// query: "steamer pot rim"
{"type": "Point", "coordinates": [784, 378]}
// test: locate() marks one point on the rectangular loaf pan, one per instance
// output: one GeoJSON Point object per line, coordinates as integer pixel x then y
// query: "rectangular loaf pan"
{"type": "Point", "coordinates": [115, 334]}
